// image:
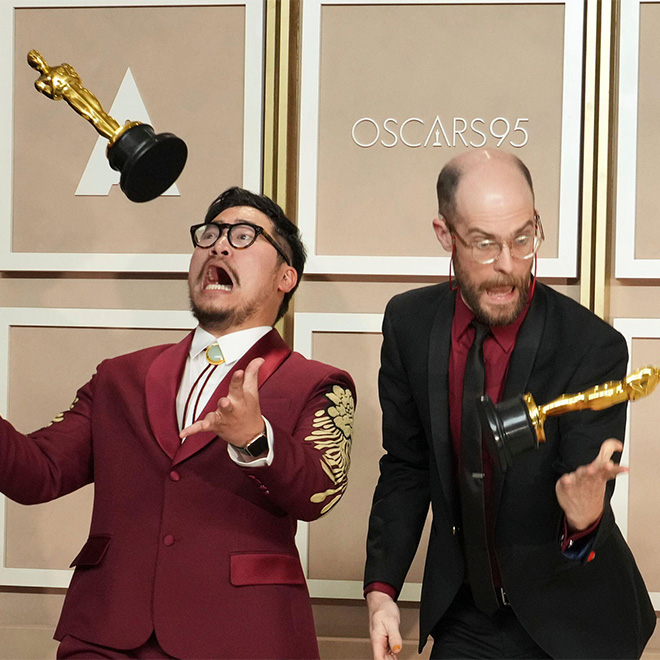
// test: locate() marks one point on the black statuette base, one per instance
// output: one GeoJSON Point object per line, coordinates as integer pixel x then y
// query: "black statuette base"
{"type": "Point", "coordinates": [149, 164]}
{"type": "Point", "coordinates": [506, 429]}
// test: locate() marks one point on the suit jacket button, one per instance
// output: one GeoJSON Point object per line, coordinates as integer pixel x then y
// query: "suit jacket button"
{"type": "Point", "coordinates": [168, 540]}
{"type": "Point", "coordinates": [174, 475]}
{"type": "Point", "coordinates": [454, 530]}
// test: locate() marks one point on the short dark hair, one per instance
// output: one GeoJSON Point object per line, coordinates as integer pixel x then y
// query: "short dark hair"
{"type": "Point", "coordinates": [284, 229]}
{"type": "Point", "coordinates": [449, 178]}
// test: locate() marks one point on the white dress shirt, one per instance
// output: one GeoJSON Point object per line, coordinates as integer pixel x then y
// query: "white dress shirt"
{"type": "Point", "coordinates": [234, 346]}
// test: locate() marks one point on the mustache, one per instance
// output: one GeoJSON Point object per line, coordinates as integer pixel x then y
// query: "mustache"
{"type": "Point", "coordinates": [504, 280]}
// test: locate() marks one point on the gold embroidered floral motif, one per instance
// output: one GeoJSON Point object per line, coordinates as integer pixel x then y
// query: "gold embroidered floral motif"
{"type": "Point", "coordinates": [333, 435]}
{"type": "Point", "coordinates": [59, 417]}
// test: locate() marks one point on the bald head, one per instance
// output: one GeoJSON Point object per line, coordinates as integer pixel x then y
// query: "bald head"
{"type": "Point", "coordinates": [486, 200]}
{"type": "Point", "coordinates": [483, 171]}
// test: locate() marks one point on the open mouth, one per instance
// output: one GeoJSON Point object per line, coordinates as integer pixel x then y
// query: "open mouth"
{"type": "Point", "coordinates": [217, 278]}
{"type": "Point", "coordinates": [501, 293]}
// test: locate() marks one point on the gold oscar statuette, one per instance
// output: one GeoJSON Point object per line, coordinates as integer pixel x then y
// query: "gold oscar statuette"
{"type": "Point", "coordinates": [148, 163]}
{"type": "Point", "coordinates": [515, 426]}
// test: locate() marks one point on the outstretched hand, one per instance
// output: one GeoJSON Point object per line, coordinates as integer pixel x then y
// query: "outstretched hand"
{"type": "Point", "coordinates": [581, 494]}
{"type": "Point", "coordinates": [237, 418]}
{"type": "Point", "coordinates": [384, 622]}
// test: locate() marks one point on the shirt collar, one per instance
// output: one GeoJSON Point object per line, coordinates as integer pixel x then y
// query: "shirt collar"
{"type": "Point", "coordinates": [505, 335]}
{"type": "Point", "coordinates": [233, 346]}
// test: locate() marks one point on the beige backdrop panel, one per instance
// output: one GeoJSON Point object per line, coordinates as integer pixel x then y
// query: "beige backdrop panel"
{"type": "Point", "coordinates": [644, 501]}
{"type": "Point", "coordinates": [452, 61]}
{"type": "Point", "coordinates": [188, 64]}
{"type": "Point", "coordinates": [633, 301]}
{"type": "Point", "coordinates": [337, 542]}
{"type": "Point", "coordinates": [647, 228]}
{"type": "Point", "coordinates": [50, 535]}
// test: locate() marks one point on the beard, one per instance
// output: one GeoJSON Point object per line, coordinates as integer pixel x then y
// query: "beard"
{"type": "Point", "coordinates": [472, 294]}
{"type": "Point", "coordinates": [211, 319]}
{"type": "Point", "coordinates": [220, 320]}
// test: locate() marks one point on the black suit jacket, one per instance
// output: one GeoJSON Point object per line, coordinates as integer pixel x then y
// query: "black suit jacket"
{"type": "Point", "coordinates": [572, 609]}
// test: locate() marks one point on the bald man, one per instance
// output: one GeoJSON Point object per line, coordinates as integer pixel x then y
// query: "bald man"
{"type": "Point", "coordinates": [550, 576]}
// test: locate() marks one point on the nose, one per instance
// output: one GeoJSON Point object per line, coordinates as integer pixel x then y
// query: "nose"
{"type": "Point", "coordinates": [504, 263]}
{"type": "Point", "coordinates": [222, 245]}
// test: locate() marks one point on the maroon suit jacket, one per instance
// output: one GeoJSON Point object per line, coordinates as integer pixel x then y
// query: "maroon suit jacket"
{"type": "Point", "coordinates": [183, 541]}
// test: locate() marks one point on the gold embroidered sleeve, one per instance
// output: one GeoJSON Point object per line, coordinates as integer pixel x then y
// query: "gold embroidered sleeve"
{"type": "Point", "coordinates": [60, 416]}
{"type": "Point", "coordinates": [332, 436]}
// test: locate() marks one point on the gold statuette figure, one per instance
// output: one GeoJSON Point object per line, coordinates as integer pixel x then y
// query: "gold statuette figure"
{"type": "Point", "coordinates": [634, 386]}
{"type": "Point", "coordinates": [515, 426]}
{"type": "Point", "coordinates": [63, 82]}
{"type": "Point", "coordinates": [149, 164]}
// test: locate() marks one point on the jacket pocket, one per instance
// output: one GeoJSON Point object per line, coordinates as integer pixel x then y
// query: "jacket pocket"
{"type": "Point", "coordinates": [252, 568]}
{"type": "Point", "coordinates": [93, 551]}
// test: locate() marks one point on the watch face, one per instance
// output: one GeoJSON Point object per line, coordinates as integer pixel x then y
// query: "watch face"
{"type": "Point", "coordinates": [257, 447]}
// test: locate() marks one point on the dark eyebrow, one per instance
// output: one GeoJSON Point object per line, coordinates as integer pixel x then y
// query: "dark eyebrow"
{"type": "Point", "coordinates": [231, 224]}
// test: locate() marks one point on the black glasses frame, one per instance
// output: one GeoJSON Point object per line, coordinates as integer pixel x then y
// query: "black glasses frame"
{"type": "Point", "coordinates": [230, 227]}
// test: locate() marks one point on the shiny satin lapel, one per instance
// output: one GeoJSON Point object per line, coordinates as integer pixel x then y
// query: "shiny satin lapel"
{"type": "Point", "coordinates": [161, 387]}
{"type": "Point", "coordinates": [439, 347]}
{"type": "Point", "coordinates": [272, 348]}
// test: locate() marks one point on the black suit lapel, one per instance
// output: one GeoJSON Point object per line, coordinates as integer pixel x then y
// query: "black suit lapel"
{"type": "Point", "coordinates": [439, 347]}
{"type": "Point", "coordinates": [527, 346]}
{"type": "Point", "coordinates": [522, 362]}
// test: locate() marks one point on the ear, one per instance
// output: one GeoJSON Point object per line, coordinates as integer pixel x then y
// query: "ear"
{"type": "Point", "coordinates": [288, 279]}
{"type": "Point", "coordinates": [443, 233]}
{"type": "Point", "coordinates": [540, 224]}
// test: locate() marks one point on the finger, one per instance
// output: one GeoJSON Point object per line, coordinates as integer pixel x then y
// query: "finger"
{"type": "Point", "coordinates": [379, 647]}
{"type": "Point", "coordinates": [608, 468]}
{"type": "Point", "coordinates": [211, 422]}
{"type": "Point", "coordinates": [395, 641]}
{"type": "Point", "coordinates": [567, 479]}
{"type": "Point", "coordinates": [608, 448]}
{"type": "Point", "coordinates": [225, 406]}
{"type": "Point", "coordinates": [197, 427]}
{"type": "Point", "coordinates": [386, 639]}
{"type": "Point", "coordinates": [251, 381]}
{"type": "Point", "coordinates": [584, 471]}
{"type": "Point", "coordinates": [614, 470]}
{"type": "Point", "coordinates": [236, 385]}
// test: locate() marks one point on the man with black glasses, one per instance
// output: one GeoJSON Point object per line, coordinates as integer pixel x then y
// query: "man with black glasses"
{"type": "Point", "coordinates": [203, 454]}
{"type": "Point", "coordinates": [526, 564]}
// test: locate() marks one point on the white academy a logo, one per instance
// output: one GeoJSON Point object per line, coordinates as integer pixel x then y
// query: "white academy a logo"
{"type": "Point", "coordinates": [98, 177]}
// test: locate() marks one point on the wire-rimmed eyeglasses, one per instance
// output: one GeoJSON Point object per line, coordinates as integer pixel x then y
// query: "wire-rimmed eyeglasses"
{"type": "Point", "coordinates": [240, 236]}
{"type": "Point", "coordinates": [523, 246]}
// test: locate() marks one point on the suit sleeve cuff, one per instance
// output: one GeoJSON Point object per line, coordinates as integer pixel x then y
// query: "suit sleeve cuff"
{"type": "Point", "coordinates": [577, 544]}
{"type": "Point", "coordinates": [381, 586]}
